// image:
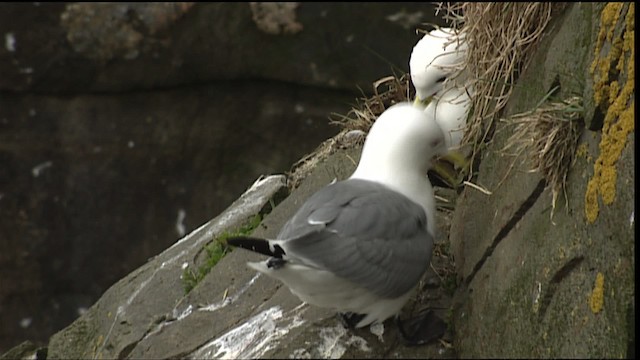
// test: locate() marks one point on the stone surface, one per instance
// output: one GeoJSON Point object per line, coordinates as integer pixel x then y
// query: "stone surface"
{"type": "Point", "coordinates": [233, 312]}
{"type": "Point", "coordinates": [113, 115]}
{"type": "Point", "coordinates": [150, 298]}
{"type": "Point", "coordinates": [527, 280]}
{"type": "Point", "coordinates": [82, 176]}
{"type": "Point", "coordinates": [26, 350]}
{"type": "Point", "coordinates": [78, 48]}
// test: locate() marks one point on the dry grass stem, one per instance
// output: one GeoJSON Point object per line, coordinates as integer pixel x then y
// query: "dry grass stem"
{"type": "Point", "coordinates": [549, 134]}
{"type": "Point", "coordinates": [501, 37]}
{"type": "Point", "coordinates": [387, 91]}
{"type": "Point", "coordinates": [477, 187]}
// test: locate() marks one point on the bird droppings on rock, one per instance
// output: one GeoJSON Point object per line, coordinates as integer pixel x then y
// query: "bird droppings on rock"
{"type": "Point", "coordinates": [253, 338]}
{"type": "Point", "coordinates": [333, 345]}
{"type": "Point", "coordinates": [231, 299]}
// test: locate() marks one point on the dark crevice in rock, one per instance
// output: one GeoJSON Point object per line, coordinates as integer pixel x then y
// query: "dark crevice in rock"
{"type": "Point", "coordinates": [156, 325]}
{"type": "Point", "coordinates": [631, 330]}
{"type": "Point", "coordinates": [524, 207]}
{"type": "Point", "coordinates": [127, 350]}
{"type": "Point", "coordinates": [560, 275]}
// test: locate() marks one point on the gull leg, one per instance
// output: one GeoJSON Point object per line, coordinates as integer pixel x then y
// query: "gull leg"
{"type": "Point", "coordinates": [349, 320]}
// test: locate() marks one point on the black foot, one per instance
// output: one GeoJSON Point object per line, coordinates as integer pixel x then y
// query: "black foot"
{"type": "Point", "coordinates": [275, 263]}
{"type": "Point", "coordinates": [422, 329]}
{"type": "Point", "coordinates": [350, 320]}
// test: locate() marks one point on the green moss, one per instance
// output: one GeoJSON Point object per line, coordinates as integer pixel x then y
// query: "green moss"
{"type": "Point", "coordinates": [216, 250]}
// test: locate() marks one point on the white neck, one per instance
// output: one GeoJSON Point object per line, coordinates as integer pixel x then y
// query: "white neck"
{"type": "Point", "coordinates": [402, 178]}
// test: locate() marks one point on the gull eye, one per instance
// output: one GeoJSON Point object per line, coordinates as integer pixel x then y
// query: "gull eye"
{"type": "Point", "coordinates": [442, 79]}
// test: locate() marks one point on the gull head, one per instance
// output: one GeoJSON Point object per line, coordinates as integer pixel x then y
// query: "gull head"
{"type": "Point", "coordinates": [436, 58]}
{"type": "Point", "coordinates": [402, 141]}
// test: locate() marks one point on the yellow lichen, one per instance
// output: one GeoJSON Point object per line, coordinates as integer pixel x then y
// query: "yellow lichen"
{"type": "Point", "coordinates": [611, 17]}
{"type": "Point", "coordinates": [592, 209]}
{"type": "Point", "coordinates": [608, 19]}
{"type": "Point", "coordinates": [614, 88]}
{"type": "Point", "coordinates": [596, 300]}
{"type": "Point", "coordinates": [582, 150]}
{"type": "Point", "coordinates": [608, 178]}
{"type": "Point", "coordinates": [616, 99]}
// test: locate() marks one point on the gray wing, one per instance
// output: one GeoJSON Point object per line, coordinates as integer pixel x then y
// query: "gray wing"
{"type": "Point", "coordinates": [364, 232]}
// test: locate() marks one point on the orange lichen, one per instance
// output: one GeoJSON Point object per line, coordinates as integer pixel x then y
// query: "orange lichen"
{"type": "Point", "coordinates": [596, 300]}
{"type": "Point", "coordinates": [615, 99]}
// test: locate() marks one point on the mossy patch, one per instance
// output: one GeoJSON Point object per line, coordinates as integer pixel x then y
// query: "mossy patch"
{"type": "Point", "coordinates": [614, 94]}
{"type": "Point", "coordinates": [216, 250]}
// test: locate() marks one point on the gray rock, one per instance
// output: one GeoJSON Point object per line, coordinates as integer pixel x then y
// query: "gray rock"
{"type": "Point", "coordinates": [526, 279]}
{"type": "Point", "coordinates": [233, 312]}
{"type": "Point", "coordinates": [82, 176]}
{"type": "Point", "coordinates": [151, 298]}
{"type": "Point", "coordinates": [26, 350]}
{"type": "Point", "coordinates": [114, 114]}
{"type": "Point", "coordinates": [86, 47]}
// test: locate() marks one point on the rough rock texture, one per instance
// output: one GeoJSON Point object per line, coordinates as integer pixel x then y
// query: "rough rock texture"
{"type": "Point", "coordinates": [83, 175]}
{"type": "Point", "coordinates": [233, 312]}
{"type": "Point", "coordinates": [151, 297]}
{"type": "Point", "coordinates": [123, 121]}
{"type": "Point", "coordinates": [526, 282]}
{"type": "Point", "coordinates": [79, 47]}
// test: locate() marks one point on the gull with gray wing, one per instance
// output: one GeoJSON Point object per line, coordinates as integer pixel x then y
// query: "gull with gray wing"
{"type": "Point", "coordinates": [360, 246]}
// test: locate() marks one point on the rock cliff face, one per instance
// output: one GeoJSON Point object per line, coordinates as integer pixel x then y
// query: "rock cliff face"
{"type": "Point", "coordinates": [80, 48]}
{"type": "Point", "coordinates": [529, 282]}
{"type": "Point", "coordinates": [527, 285]}
{"type": "Point", "coordinates": [125, 126]}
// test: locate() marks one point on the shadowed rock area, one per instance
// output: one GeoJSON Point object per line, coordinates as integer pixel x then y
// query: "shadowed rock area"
{"type": "Point", "coordinates": [124, 126]}
{"type": "Point", "coordinates": [84, 174]}
{"type": "Point", "coordinates": [79, 47]}
{"type": "Point", "coordinates": [233, 312]}
{"type": "Point", "coordinates": [525, 282]}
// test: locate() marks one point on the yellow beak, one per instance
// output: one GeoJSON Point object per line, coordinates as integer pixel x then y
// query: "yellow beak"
{"type": "Point", "coordinates": [451, 168]}
{"type": "Point", "coordinates": [456, 158]}
{"type": "Point", "coordinates": [422, 103]}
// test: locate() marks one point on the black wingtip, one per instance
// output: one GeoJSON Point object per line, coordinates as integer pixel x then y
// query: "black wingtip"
{"type": "Point", "coordinates": [258, 245]}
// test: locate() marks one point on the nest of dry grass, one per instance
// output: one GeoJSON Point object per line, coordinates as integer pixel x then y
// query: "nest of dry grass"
{"type": "Point", "coordinates": [549, 135]}
{"type": "Point", "coordinates": [501, 37]}
{"type": "Point", "coordinates": [388, 91]}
